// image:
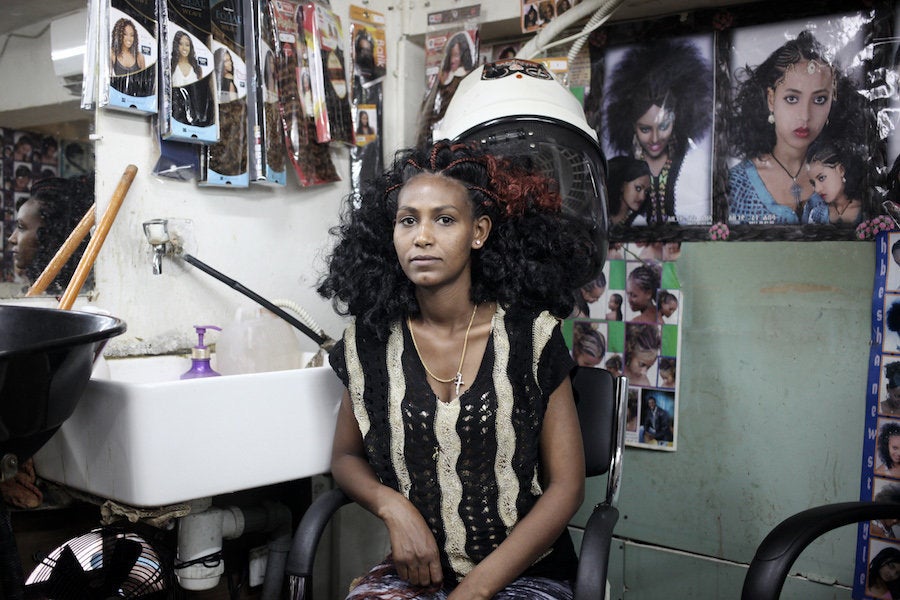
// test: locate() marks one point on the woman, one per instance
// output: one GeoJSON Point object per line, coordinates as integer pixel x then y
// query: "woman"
{"type": "Point", "coordinates": [785, 104]}
{"type": "Point", "coordinates": [642, 344]}
{"type": "Point", "coordinates": [837, 179]}
{"type": "Point", "coordinates": [884, 574]}
{"type": "Point", "coordinates": [659, 103]}
{"type": "Point", "coordinates": [363, 128]}
{"type": "Point", "coordinates": [225, 75]}
{"type": "Point", "coordinates": [192, 103]}
{"type": "Point", "coordinates": [448, 326]}
{"type": "Point", "coordinates": [889, 450]}
{"type": "Point", "coordinates": [615, 307]}
{"type": "Point", "coordinates": [185, 68]}
{"type": "Point", "coordinates": [891, 403]}
{"type": "Point", "coordinates": [641, 286]}
{"type": "Point", "coordinates": [629, 186]}
{"type": "Point", "coordinates": [588, 345]}
{"type": "Point", "coordinates": [458, 62]}
{"type": "Point", "coordinates": [889, 494]}
{"type": "Point", "coordinates": [44, 221]}
{"type": "Point", "coordinates": [124, 57]}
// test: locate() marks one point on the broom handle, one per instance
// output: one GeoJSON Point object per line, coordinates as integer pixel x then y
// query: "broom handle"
{"type": "Point", "coordinates": [64, 253]}
{"type": "Point", "coordinates": [93, 247]}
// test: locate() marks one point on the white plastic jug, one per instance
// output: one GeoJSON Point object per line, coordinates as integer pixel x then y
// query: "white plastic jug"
{"type": "Point", "coordinates": [255, 342]}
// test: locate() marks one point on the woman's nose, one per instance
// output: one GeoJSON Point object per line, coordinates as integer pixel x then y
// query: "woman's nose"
{"type": "Point", "coordinates": [423, 235]}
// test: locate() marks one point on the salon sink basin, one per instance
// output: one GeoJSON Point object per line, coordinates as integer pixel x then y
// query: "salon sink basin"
{"type": "Point", "coordinates": [145, 438]}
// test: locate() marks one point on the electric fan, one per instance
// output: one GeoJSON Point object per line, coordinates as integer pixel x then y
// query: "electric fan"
{"type": "Point", "coordinates": [105, 563]}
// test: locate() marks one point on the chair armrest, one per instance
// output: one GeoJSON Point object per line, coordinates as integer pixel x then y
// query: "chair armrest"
{"type": "Point", "coordinates": [778, 551]}
{"type": "Point", "coordinates": [309, 531]}
{"type": "Point", "coordinates": [593, 563]}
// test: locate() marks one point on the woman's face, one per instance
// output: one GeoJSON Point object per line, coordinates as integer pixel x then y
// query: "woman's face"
{"type": "Point", "coordinates": [827, 181]}
{"type": "Point", "coordinates": [653, 130]}
{"type": "Point", "coordinates": [639, 363]}
{"type": "Point", "coordinates": [638, 297]}
{"type": "Point", "coordinates": [592, 292]}
{"type": "Point", "coordinates": [801, 102]}
{"type": "Point", "coordinates": [184, 46]}
{"type": "Point", "coordinates": [364, 119]}
{"type": "Point", "coordinates": [128, 37]}
{"type": "Point", "coordinates": [435, 230]}
{"type": "Point", "coordinates": [455, 56]}
{"type": "Point", "coordinates": [668, 307]}
{"type": "Point", "coordinates": [889, 571]}
{"type": "Point", "coordinates": [227, 64]}
{"type": "Point", "coordinates": [614, 302]}
{"type": "Point", "coordinates": [634, 193]}
{"type": "Point", "coordinates": [24, 240]}
{"type": "Point", "coordinates": [894, 449]}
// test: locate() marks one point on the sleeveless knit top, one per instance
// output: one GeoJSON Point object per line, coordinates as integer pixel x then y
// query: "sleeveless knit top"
{"type": "Point", "coordinates": [471, 466]}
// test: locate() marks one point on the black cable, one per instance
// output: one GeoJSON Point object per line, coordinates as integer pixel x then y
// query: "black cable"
{"type": "Point", "coordinates": [320, 340]}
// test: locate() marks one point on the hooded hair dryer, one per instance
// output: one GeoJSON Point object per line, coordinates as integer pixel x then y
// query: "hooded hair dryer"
{"type": "Point", "coordinates": [517, 108]}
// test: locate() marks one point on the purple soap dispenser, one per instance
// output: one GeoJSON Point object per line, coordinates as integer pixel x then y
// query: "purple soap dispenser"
{"type": "Point", "coordinates": [200, 356]}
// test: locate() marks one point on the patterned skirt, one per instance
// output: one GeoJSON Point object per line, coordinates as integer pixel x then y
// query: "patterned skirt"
{"type": "Point", "coordinates": [383, 583]}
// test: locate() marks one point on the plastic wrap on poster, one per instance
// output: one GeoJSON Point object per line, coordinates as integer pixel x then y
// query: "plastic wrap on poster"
{"type": "Point", "coordinates": [628, 321]}
{"type": "Point", "coordinates": [187, 73]}
{"type": "Point", "coordinates": [96, 14]}
{"type": "Point", "coordinates": [267, 153]}
{"type": "Point", "coordinates": [708, 105]}
{"type": "Point", "coordinates": [451, 52]}
{"type": "Point", "coordinates": [324, 44]}
{"type": "Point", "coordinates": [225, 163]}
{"type": "Point", "coordinates": [311, 160]}
{"type": "Point", "coordinates": [129, 69]}
{"type": "Point", "coordinates": [369, 62]}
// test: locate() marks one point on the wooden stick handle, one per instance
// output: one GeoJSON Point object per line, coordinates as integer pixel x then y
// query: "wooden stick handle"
{"type": "Point", "coordinates": [64, 253]}
{"type": "Point", "coordinates": [93, 247]}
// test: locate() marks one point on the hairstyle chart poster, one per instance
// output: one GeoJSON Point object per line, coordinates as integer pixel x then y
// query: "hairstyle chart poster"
{"type": "Point", "coordinates": [778, 128]}
{"type": "Point", "coordinates": [627, 322]}
{"type": "Point", "coordinates": [879, 541]}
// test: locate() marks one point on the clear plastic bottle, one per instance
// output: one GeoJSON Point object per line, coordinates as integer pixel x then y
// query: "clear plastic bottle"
{"type": "Point", "coordinates": [257, 341]}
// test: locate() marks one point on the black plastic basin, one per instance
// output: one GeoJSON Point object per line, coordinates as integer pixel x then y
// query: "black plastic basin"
{"type": "Point", "coordinates": [46, 358]}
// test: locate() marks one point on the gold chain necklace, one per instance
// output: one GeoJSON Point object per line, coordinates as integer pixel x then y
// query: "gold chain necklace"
{"type": "Point", "coordinates": [456, 379]}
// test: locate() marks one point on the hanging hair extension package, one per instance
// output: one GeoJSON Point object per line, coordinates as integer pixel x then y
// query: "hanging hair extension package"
{"type": "Point", "coordinates": [267, 152]}
{"type": "Point", "coordinates": [128, 64]}
{"type": "Point", "coordinates": [369, 61]}
{"type": "Point", "coordinates": [311, 160]}
{"type": "Point", "coordinates": [323, 35]}
{"type": "Point", "coordinates": [187, 72]}
{"type": "Point", "coordinates": [225, 163]}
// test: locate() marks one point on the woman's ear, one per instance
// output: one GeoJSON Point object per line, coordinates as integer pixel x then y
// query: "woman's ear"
{"type": "Point", "coordinates": [481, 229]}
{"type": "Point", "coordinates": [770, 99]}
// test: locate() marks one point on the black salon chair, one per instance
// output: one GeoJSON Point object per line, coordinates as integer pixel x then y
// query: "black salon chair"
{"type": "Point", "coordinates": [778, 551]}
{"type": "Point", "coordinates": [601, 400]}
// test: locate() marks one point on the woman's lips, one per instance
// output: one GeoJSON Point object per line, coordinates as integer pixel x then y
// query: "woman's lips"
{"type": "Point", "coordinates": [802, 132]}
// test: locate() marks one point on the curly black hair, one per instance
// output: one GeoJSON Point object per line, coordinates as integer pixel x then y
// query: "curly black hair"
{"type": "Point", "coordinates": [534, 258]}
{"type": "Point", "coordinates": [670, 74]}
{"type": "Point", "coordinates": [61, 205]}
{"type": "Point", "coordinates": [748, 137]}
{"type": "Point", "coordinates": [888, 430]}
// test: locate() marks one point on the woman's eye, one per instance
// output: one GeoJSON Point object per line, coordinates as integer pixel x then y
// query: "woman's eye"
{"type": "Point", "coordinates": [406, 221]}
{"type": "Point", "coordinates": [445, 220]}
{"type": "Point", "coordinates": [791, 99]}
{"type": "Point", "coordinates": [820, 100]}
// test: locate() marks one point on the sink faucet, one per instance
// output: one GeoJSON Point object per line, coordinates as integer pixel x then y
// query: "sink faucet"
{"type": "Point", "coordinates": [157, 232]}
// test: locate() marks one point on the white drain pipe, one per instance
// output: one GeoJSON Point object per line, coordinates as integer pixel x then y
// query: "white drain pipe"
{"type": "Point", "coordinates": [198, 563]}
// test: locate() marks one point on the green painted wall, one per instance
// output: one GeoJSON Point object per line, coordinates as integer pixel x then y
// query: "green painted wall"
{"type": "Point", "coordinates": [773, 376]}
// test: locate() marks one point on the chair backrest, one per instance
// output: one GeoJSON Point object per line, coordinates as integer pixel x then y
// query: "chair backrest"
{"type": "Point", "coordinates": [601, 401]}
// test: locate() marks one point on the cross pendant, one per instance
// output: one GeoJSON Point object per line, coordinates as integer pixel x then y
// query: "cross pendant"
{"type": "Point", "coordinates": [458, 382]}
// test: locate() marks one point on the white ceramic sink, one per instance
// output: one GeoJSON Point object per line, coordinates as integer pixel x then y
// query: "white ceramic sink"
{"type": "Point", "coordinates": [145, 438]}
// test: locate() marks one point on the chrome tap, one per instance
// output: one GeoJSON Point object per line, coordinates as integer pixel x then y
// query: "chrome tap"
{"type": "Point", "coordinates": [157, 232]}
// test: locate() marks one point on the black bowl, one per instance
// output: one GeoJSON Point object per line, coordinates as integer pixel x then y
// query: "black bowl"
{"type": "Point", "coordinates": [46, 358]}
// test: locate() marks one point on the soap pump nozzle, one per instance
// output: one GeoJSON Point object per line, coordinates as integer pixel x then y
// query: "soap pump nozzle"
{"type": "Point", "coordinates": [200, 354]}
